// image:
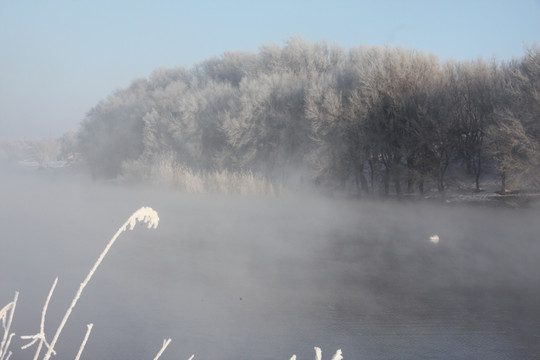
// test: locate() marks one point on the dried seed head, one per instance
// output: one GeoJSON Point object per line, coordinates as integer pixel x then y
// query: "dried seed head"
{"type": "Point", "coordinates": [144, 214]}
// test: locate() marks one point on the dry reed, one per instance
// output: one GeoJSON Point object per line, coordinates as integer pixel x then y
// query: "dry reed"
{"type": "Point", "coordinates": [6, 315]}
{"type": "Point", "coordinates": [146, 215]}
{"type": "Point", "coordinates": [167, 172]}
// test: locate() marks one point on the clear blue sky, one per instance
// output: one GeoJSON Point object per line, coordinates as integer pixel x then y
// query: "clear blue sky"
{"type": "Point", "coordinates": [58, 58]}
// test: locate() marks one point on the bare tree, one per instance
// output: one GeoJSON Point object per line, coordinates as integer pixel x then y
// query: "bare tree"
{"type": "Point", "coordinates": [111, 132]}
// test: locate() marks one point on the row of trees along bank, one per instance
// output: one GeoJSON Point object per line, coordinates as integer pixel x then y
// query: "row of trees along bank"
{"type": "Point", "coordinates": [375, 119]}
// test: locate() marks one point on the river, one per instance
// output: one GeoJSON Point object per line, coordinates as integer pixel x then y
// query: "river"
{"type": "Point", "coordinates": [231, 277]}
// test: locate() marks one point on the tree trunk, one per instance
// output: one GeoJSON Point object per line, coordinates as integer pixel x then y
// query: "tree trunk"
{"type": "Point", "coordinates": [386, 181]}
{"type": "Point", "coordinates": [477, 167]}
{"type": "Point", "coordinates": [371, 175]}
{"type": "Point", "coordinates": [397, 185]}
{"type": "Point", "coordinates": [440, 182]}
{"type": "Point", "coordinates": [363, 181]}
{"type": "Point", "coordinates": [468, 163]}
{"type": "Point", "coordinates": [410, 177]}
{"type": "Point", "coordinates": [410, 183]}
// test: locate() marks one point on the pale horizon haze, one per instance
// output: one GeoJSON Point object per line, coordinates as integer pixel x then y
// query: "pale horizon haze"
{"type": "Point", "coordinates": [60, 58]}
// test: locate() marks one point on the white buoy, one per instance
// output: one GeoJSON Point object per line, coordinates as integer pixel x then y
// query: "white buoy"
{"type": "Point", "coordinates": [434, 239]}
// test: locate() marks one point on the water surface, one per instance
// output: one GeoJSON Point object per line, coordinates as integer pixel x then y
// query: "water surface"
{"type": "Point", "coordinates": [264, 278]}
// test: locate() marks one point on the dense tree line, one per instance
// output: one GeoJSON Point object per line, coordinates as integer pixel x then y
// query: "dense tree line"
{"type": "Point", "coordinates": [376, 119]}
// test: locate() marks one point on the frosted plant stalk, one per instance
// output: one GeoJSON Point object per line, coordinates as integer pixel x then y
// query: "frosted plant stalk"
{"type": "Point", "coordinates": [41, 335]}
{"type": "Point", "coordinates": [6, 315]}
{"type": "Point", "coordinates": [318, 353]}
{"type": "Point", "coordinates": [88, 331]}
{"type": "Point", "coordinates": [144, 214]}
{"type": "Point", "coordinates": [337, 355]}
{"type": "Point", "coordinates": [166, 343]}
{"type": "Point", "coordinates": [5, 310]}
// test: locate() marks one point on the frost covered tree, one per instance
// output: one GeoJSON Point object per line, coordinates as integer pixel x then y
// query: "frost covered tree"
{"type": "Point", "coordinates": [111, 132]}
{"type": "Point", "coordinates": [477, 89]}
{"type": "Point", "coordinates": [514, 136]}
{"type": "Point", "coordinates": [230, 68]}
{"type": "Point", "coordinates": [527, 88]}
{"type": "Point", "coordinates": [337, 125]}
{"type": "Point", "coordinates": [396, 85]}
{"type": "Point", "coordinates": [440, 132]}
{"type": "Point", "coordinates": [511, 147]}
{"type": "Point", "coordinates": [269, 131]}
{"type": "Point", "coordinates": [383, 118]}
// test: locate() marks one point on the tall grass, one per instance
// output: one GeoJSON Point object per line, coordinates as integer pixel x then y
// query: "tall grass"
{"type": "Point", "coordinates": [145, 215]}
{"type": "Point", "coordinates": [167, 172]}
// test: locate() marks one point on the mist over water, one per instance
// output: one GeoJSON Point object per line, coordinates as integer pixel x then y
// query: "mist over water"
{"type": "Point", "coordinates": [256, 277]}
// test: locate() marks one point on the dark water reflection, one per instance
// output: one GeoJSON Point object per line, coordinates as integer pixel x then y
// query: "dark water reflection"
{"type": "Point", "coordinates": [252, 278]}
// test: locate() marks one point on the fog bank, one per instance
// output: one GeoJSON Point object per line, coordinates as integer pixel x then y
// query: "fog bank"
{"type": "Point", "coordinates": [259, 277]}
